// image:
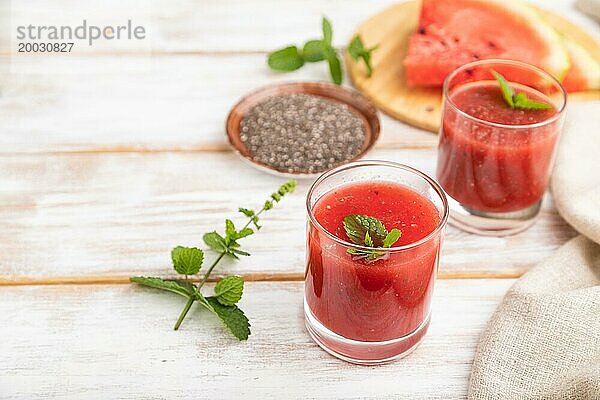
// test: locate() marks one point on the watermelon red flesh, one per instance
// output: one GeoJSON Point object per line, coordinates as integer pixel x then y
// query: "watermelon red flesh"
{"type": "Point", "coordinates": [453, 33]}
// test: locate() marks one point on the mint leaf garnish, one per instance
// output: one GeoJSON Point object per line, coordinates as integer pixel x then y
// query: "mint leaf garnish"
{"type": "Point", "coordinates": [392, 237]}
{"type": "Point", "coordinates": [370, 232]}
{"type": "Point", "coordinates": [286, 59]}
{"type": "Point", "coordinates": [185, 289]}
{"type": "Point", "coordinates": [228, 291]}
{"type": "Point", "coordinates": [518, 100]}
{"type": "Point", "coordinates": [524, 103]}
{"type": "Point", "coordinates": [368, 240]}
{"type": "Point", "coordinates": [357, 226]}
{"type": "Point", "coordinates": [357, 51]}
{"type": "Point", "coordinates": [232, 316]}
{"type": "Point", "coordinates": [507, 91]}
{"type": "Point", "coordinates": [187, 260]}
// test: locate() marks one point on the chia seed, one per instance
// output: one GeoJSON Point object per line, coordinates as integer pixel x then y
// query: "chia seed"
{"type": "Point", "coordinates": [301, 133]}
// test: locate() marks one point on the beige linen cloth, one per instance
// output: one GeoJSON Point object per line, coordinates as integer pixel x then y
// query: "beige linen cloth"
{"type": "Point", "coordinates": [543, 341]}
{"type": "Point", "coordinates": [590, 7]}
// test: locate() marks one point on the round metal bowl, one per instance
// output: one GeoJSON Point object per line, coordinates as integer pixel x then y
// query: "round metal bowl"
{"type": "Point", "coordinates": [358, 103]}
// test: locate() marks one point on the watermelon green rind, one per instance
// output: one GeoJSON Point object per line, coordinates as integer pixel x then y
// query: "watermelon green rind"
{"type": "Point", "coordinates": [443, 42]}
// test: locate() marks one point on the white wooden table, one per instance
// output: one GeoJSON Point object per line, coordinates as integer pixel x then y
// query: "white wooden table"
{"type": "Point", "coordinates": [114, 154]}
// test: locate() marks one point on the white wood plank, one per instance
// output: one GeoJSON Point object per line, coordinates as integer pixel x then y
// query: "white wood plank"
{"type": "Point", "coordinates": [217, 26]}
{"type": "Point", "coordinates": [161, 103]}
{"type": "Point", "coordinates": [113, 215]}
{"type": "Point", "coordinates": [95, 341]}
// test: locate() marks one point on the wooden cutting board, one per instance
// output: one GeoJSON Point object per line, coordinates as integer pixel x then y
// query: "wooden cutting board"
{"type": "Point", "coordinates": [421, 107]}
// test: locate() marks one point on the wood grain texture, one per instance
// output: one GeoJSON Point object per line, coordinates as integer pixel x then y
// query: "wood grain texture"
{"type": "Point", "coordinates": [118, 342]}
{"type": "Point", "coordinates": [206, 27]}
{"type": "Point", "coordinates": [108, 216]}
{"type": "Point", "coordinates": [166, 103]}
{"type": "Point", "coordinates": [422, 107]}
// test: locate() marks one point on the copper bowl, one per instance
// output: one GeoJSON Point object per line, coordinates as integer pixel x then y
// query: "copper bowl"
{"type": "Point", "coordinates": [358, 103]}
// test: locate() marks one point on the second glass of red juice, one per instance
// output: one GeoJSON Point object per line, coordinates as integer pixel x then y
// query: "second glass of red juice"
{"type": "Point", "coordinates": [372, 310]}
{"type": "Point", "coordinates": [494, 160]}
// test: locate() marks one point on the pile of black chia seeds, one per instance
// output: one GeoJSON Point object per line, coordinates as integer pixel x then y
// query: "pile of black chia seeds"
{"type": "Point", "coordinates": [301, 133]}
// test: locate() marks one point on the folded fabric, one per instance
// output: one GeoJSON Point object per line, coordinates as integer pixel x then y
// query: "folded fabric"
{"type": "Point", "coordinates": [576, 177]}
{"type": "Point", "coordinates": [543, 341]}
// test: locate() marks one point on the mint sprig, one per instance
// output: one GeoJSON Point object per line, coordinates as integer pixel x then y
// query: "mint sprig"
{"type": "Point", "coordinates": [358, 51]}
{"type": "Point", "coordinates": [370, 232]}
{"type": "Point", "coordinates": [228, 291]}
{"type": "Point", "coordinates": [518, 100]}
{"type": "Point", "coordinates": [291, 58]}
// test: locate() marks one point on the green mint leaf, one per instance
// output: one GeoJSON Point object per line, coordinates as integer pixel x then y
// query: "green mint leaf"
{"type": "Point", "coordinates": [357, 51]}
{"type": "Point", "coordinates": [244, 232]}
{"type": "Point", "coordinates": [392, 237]}
{"type": "Point", "coordinates": [313, 51]}
{"type": "Point", "coordinates": [356, 48]}
{"type": "Point", "coordinates": [233, 252]}
{"type": "Point", "coordinates": [522, 102]}
{"type": "Point", "coordinates": [230, 232]}
{"type": "Point", "coordinates": [269, 204]}
{"type": "Point", "coordinates": [535, 105]}
{"type": "Point", "coordinates": [327, 31]}
{"type": "Point", "coordinates": [246, 211]}
{"type": "Point", "coordinates": [507, 91]}
{"type": "Point", "coordinates": [335, 66]}
{"type": "Point", "coordinates": [215, 241]}
{"type": "Point", "coordinates": [232, 316]}
{"type": "Point", "coordinates": [185, 289]}
{"type": "Point", "coordinates": [519, 99]}
{"type": "Point", "coordinates": [187, 260]}
{"type": "Point", "coordinates": [286, 59]}
{"type": "Point", "coordinates": [357, 226]}
{"type": "Point", "coordinates": [228, 290]}
{"type": "Point", "coordinates": [368, 240]}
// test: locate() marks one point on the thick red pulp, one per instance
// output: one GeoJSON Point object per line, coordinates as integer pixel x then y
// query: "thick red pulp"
{"type": "Point", "coordinates": [495, 168]}
{"type": "Point", "coordinates": [372, 301]}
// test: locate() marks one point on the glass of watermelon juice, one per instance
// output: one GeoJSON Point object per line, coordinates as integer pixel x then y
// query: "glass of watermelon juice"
{"type": "Point", "coordinates": [362, 309]}
{"type": "Point", "coordinates": [494, 160]}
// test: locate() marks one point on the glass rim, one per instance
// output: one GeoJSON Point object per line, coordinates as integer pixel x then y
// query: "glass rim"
{"type": "Point", "coordinates": [520, 64]}
{"type": "Point", "coordinates": [366, 163]}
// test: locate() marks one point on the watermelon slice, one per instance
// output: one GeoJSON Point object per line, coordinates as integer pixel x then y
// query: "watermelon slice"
{"type": "Point", "coordinates": [585, 70]}
{"type": "Point", "coordinates": [451, 33]}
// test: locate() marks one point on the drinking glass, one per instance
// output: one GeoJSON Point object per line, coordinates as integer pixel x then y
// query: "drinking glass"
{"type": "Point", "coordinates": [370, 313]}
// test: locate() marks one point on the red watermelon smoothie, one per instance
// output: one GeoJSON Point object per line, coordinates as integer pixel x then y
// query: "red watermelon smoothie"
{"type": "Point", "coordinates": [372, 311]}
{"type": "Point", "coordinates": [494, 161]}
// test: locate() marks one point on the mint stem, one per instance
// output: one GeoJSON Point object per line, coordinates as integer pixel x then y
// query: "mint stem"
{"type": "Point", "coordinates": [184, 312]}
{"type": "Point", "coordinates": [189, 303]}
{"type": "Point", "coordinates": [207, 274]}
